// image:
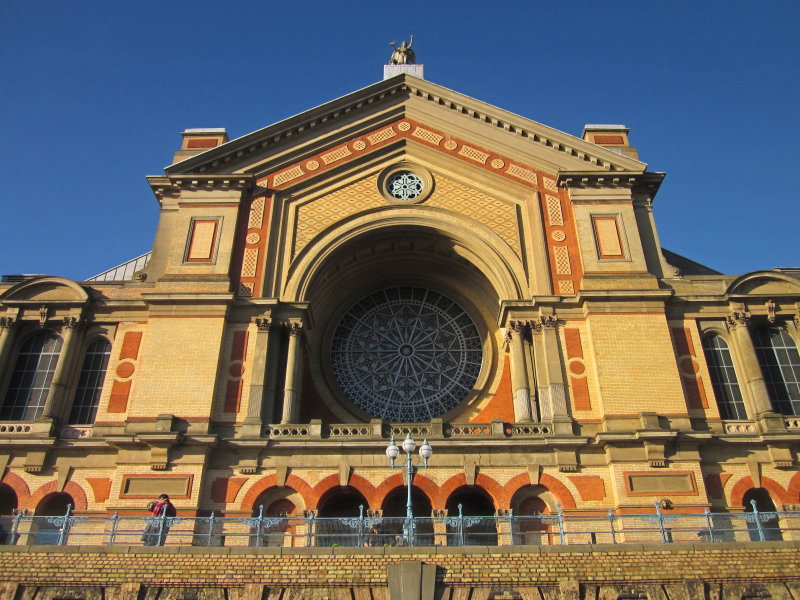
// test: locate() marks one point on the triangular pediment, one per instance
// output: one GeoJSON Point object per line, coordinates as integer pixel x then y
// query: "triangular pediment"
{"type": "Point", "coordinates": [487, 128]}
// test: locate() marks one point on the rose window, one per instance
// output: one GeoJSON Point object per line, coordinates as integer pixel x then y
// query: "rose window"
{"type": "Point", "coordinates": [404, 185]}
{"type": "Point", "coordinates": [406, 354]}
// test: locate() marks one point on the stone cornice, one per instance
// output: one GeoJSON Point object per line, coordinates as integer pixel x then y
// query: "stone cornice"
{"type": "Point", "coordinates": [404, 87]}
{"type": "Point", "coordinates": [621, 179]}
{"type": "Point", "coordinates": [172, 185]}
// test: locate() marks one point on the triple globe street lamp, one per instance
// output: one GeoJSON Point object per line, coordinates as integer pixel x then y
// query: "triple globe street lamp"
{"type": "Point", "coordinates": [425, 452]}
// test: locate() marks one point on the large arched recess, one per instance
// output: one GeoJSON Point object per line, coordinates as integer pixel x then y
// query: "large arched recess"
{"type": "Point", "coordinates": [405, 247]}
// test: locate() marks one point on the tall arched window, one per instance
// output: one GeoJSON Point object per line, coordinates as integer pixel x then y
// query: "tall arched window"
{"type": "Point", "coordinates": [31, 379]}
{"type": "Point", "coordinates": [90, 384]}
{"type": "Point", "coordinates": [780, 362]}
{"type": "Point", "coordinates": [723, 378]}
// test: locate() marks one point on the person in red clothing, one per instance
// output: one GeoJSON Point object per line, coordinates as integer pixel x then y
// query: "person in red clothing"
{"type": "Point", "coordinates": [155, 534]}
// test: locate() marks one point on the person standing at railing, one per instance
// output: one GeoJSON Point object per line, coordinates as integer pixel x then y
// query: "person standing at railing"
{"type": "Point", "coordinates": [155, 534]}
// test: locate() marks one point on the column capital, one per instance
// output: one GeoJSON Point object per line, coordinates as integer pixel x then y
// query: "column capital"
{"type": "Point", "coordinates": [9, 323]}
{"type": "Point", "coordinates": [263, 323]}
{"type": "Point", "coordinates": [737, 319]}
{"type": "Point", "coordinates": [549, 321]}
{"type": "Point", "coordinates": [73, 323]}
{"type": "Point", "coordinates": [294, 328]}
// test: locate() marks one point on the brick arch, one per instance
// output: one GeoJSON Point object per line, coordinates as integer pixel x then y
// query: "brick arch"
{"type": "Point", "coordinates": [73, 489]}
{"type": "Point", "coordinates": [356, 482]}
{"type": "Point", "coordinates": [559, 490]}
{"type": "Point", "coordinates": [425, 485]}
{"type": "Point", "coordinates": [270, 481]}
{"type": "Point", "coordinates": [21, 489]}
{"type": "Point", "coordinates": [793, 490]}
{"type": "Point", "coordinates": [779, 495]}
{"type": "Point", "coordinates": [489, 485]}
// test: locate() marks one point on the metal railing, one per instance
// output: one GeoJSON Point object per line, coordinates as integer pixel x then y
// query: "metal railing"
{"type": "Point", "coordinates": [367, 530]}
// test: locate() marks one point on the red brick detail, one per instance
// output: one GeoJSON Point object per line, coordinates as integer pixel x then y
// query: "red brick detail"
{"type": "Point", "coordinates": [590, 487]}
{"type": "Point", "coordinates": [120, 391]}
{"type": "Point", "coordinates": [256, 281]}
{"type": "Point", "coordinates": [559, 490]}
{"type": "Point", "coordinates": [494, 489]}
{"type": "Point", "coordinates": [331, 483]}
{"type": "Point", "coordinates": [715, 484]}
{"type": "Point", "coordinates": [21, 489]}
{"type": "Point", "coordinates": [793, 490]}
{"type": "Point", "coordinates": [422, 483]}
{"type": "Point", "coordinates": [233, 396]}
{"type": "Point", "coordinates": [48, 489]}
{"type": "Point", "coordinates": [239, 346]}
{"type": "Point", "coordinates": [225, 489]}
{"type": "Point", "coordinates": [293, 482]}
{"type": "Point", "coordinates": [125, 370]}
{"type": "Point", "coordinates": [572, 338]}
{"type": "Point", "coordinates": [501, 405]}
{"type": "Point", "coordinates": [613, 140]}
{"type": "Point", "coordinates": [130, 345]}
{"type": "Point", "coordinates": [687, 363]}
{"type": "Point", "coordinates": [101, 487]}
{"type": "Point", "coordinates": [578, 383]}
{"type": "Point", "coordinates": [195, 143]}
{"type": "Point", "coordinates": [776, 491]}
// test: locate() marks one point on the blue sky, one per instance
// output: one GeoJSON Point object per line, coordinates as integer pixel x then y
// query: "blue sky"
{"type": "Point", "coordinates": [94, 95]}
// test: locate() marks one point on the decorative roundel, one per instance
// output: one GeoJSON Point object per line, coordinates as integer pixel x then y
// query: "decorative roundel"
{"type": "Point", "coordinates": [359, 145]}
{"type": "Point", "coordinates": [404, 185]}
{"type": "Point", "coordinates": [497, 163]}
{"type": "Point", "coordinates": [558, 235]}
{"type": "Point", "coordinates": [253, 238]}
{"type": "Point", "coordinates": [406, 354]}
{"type": "Point", "coordinates": [312, 165]}
{"type": "Point", "coordinates": [451, 145]}
{"type": "Point", "coordinates": [404, 126]}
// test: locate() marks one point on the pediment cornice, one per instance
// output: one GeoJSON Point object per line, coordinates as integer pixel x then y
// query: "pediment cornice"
{"type": "Point", "coordinates": [395, 92]}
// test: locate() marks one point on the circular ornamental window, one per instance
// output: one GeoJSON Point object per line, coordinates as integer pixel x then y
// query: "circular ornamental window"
{"type": "Point", "coordinates": [406, 354]}
{"type": "Point", "coordinates": [404, 185]}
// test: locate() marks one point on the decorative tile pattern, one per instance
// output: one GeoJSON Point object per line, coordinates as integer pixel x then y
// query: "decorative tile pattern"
{"type": "Point", "coordinates": [428, 136]}
{"type": "Point", "coordinates": [381, 136]}
{"type": "Point", "coordinates": [313, 217]}
{"type": "Point", "coordinates": [554, 214]}
{"type": "Point", "coordinates": [474, 154]}
{"type": "Point", "coordinates": [550, 184]}
{"type": "Point", "coordinates": [287, 175]}
{"type": "Point", "coordinates": [524, 174]}
{"type": "Point", "coordinates": [566, 287]}
{"type": "Point", "coordinates": [256, 213]}
{"type": "Point", "coordinates": [249, 262]}
{"type": "Point", "coordinates": [334, 155]}
{"type": "Point", "coordinates": [563, 266]}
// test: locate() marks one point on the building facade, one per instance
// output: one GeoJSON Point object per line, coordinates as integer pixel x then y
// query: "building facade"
{"type": "Point", "coordinates": [404, 259]}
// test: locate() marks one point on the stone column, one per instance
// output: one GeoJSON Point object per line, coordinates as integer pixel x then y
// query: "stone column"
{"type": "Point", "coordinates": [294, 371]}
{"type": "Point", "coordinates": [253, 421]}
{"type": "Point", "coordinates": [56, 403]}
{"type": "Point", "coordinates": [555, 377]}
{"type": "Point", "coordinates": [8, 329]}
{"type": "Point", "coordinates": [519, 377]}
{"type": "Point", "coordinates": [754, 378]}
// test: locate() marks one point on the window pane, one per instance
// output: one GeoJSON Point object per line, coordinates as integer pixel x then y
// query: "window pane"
{"type": "Point", "coordinates": [723, 378]}
{"type": "Point", "coordinates": [780, 363]}
{"type": "Point", "coordinates": [31, 379]}
{"type": "Point", "coordinates": [90, 384]}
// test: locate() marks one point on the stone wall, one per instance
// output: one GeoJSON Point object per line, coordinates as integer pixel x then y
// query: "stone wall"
{"type": "Point", "coordinates": [720, 571]}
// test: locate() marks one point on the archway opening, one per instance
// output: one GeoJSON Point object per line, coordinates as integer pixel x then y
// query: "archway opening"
{"type": "Point", "coordinates": [529, 526]}
{"type": "Point", "coordinates": [770, 527]}
{"type": "Point", "coordinates": [45, 531]}
{"type": "Point", "coordinates": [472, 522]}
{"type": "Point", "coordinates": [8, 504]}
{"type": "Point", "coordinates": [337, 522]}
{"type": "Point", "coordinates": [276, 527]}
{"type": "Point", "coordinates": [394, 516]}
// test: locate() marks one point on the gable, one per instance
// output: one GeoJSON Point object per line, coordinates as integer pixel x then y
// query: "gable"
{"type": "Point", "coordinates": [442, 111]}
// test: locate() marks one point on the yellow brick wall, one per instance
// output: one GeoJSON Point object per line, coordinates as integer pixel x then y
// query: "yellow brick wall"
{"type": "Point", "coordinates": [635, 364]}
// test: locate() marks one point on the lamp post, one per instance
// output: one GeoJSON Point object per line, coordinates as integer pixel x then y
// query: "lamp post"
{"type": "Point", "coordinates": [425, 451]}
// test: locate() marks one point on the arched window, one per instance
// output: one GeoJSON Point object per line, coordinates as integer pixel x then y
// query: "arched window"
{"type": "Point", "coordinates": [723, 378]}
{"type": "Point", "coordinates": [780, 362]}
{"type": "Point", "coordinates": [90, 384]}
{"type": "Point", "coordinates": [31, 379]}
